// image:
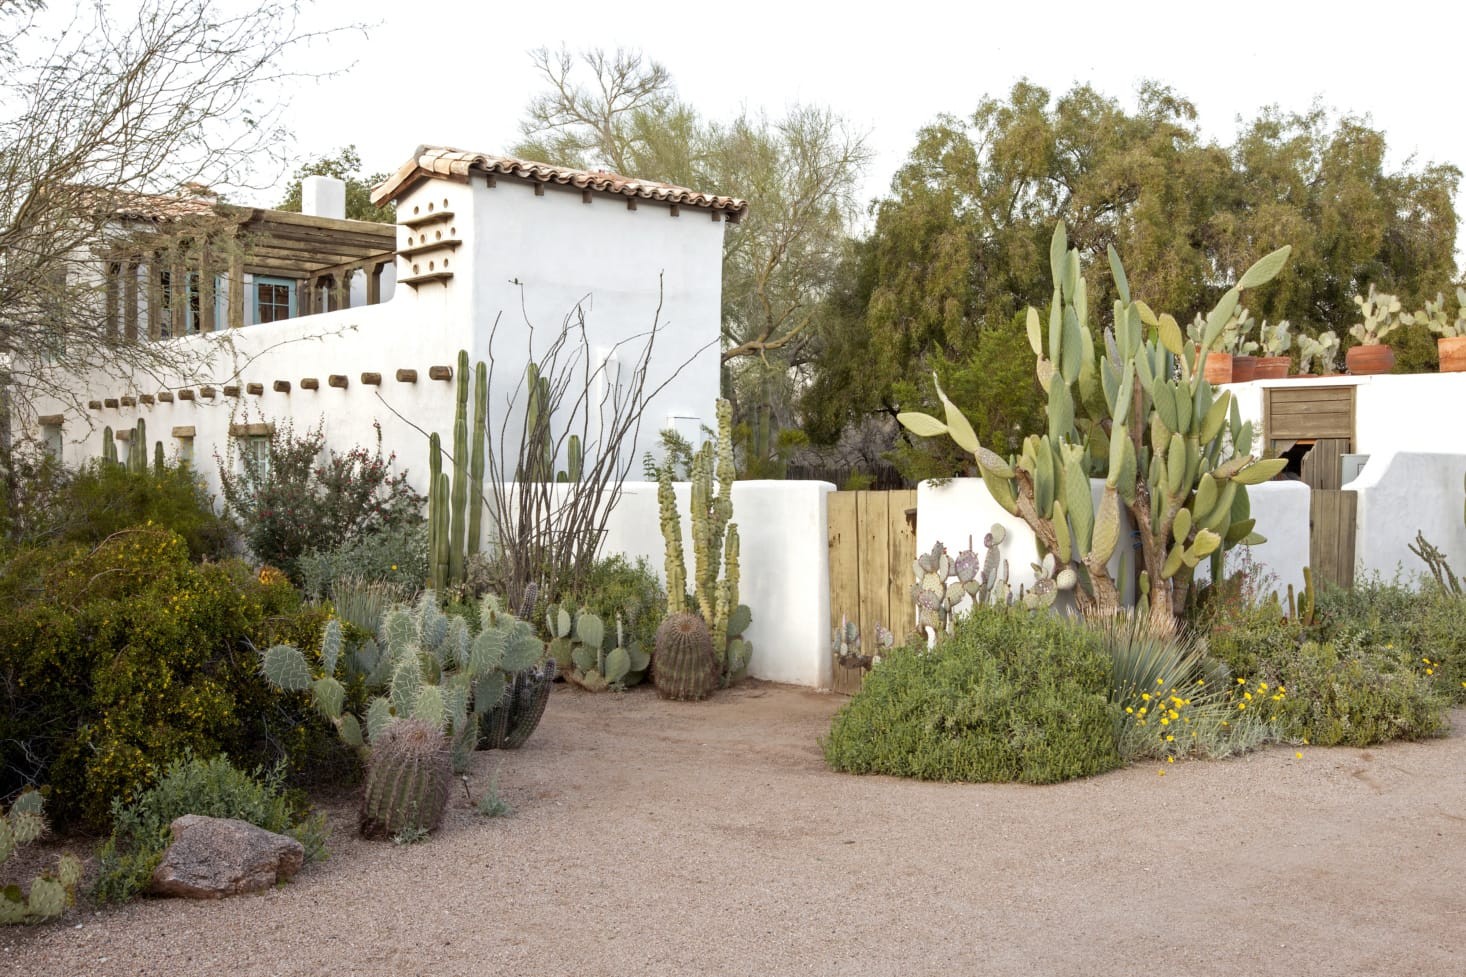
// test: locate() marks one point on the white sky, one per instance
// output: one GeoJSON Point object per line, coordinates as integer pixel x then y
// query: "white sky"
{"type": "Point", "coordinates": [458, 73]}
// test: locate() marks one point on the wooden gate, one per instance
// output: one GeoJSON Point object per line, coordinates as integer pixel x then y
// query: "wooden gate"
{"type": "Point", "coordinates": [1331, 518]}
{"type": "Point", "coordinates": [872, 545]}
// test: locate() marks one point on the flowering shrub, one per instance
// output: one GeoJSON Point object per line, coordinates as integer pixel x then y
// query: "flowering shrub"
{"type": "Point", "coordinates": [295, 502]}
{"type": "Point", "coordinates": [115, 659]}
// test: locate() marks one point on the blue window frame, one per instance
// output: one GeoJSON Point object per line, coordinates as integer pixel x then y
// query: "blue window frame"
{"type": "Point", "coordinates": [274, 299]}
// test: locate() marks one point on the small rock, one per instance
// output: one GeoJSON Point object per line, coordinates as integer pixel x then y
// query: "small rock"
{"type": "Point", "coordinates": [210, 858]}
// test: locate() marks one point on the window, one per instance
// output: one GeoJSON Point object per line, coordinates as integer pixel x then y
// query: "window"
{"type": "Point", "coordinates": [51, 440]}
{"type": "Point", "coordinates": [185, 451]}
{"type": "Point", "coordinates": [274, 299]}
{"type": "Point", "coordinates": [254, 454]}
{"type": "Point", "coordinates": [192, 318]}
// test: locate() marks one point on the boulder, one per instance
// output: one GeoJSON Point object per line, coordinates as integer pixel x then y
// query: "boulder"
{"type": "Point", "coordinates": [210, 858]}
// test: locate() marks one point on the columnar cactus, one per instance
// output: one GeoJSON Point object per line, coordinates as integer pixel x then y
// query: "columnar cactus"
{"type": "Point", "coordinates": [477, 457]}
{"type": "Point", "coordinates": [458, 521]}
{"type": "Point", "coordinates": [437, 514]}
{"type": "Point", "coordinates": [715, 550]}
{"type": "Point", "coordinates": [685, 666]}
{"type": "Point", "coordinates": [158, 462]}
{"type": "Point", "coordinates": [1137, 411]}
{"type": "Point", "coordinates": [109, 446]}
{"type": "Point", "coordinates": [409, 775]}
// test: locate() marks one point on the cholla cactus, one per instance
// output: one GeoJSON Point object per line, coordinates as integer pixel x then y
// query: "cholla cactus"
{"type": "Point", "coordinates": [1322, 352]}
{"type": "Point", "coordinates": [1381, 314]}
{"type": "Point", "coordinates": [49, 894]}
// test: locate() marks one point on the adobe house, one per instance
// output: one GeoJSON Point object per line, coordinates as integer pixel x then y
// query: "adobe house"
{"type": "Point", "coordinates": [313, 317]}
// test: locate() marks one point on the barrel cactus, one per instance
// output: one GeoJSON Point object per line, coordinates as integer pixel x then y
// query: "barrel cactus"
{"type": "Point", "coordinates": [409, 774]}
{"type": "Point", "coordinates": [685, 666]}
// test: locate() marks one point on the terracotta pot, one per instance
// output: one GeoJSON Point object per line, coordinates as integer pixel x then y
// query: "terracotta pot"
{"type": "Point", "coordinates": [1373, 360]}
{"type": "Point", "coordinates": [1272, 368]}
{"type": "Point", "coordinates": [1218, 368]}
{"type": "Point", "coordinates": [1244, 368]}
{"type": "Point", "coordinates": [1452, 350]}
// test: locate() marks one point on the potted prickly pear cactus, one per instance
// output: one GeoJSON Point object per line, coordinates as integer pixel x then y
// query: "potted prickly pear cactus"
{"type": "Point", "coordinates": [1321, 354]}
{"type": "Point", "coordinates": [1274, 362]}
{"type": "Point", "coordinates": [1380, 314]}
{"type": "Point", "coordinates": [1450, 333]}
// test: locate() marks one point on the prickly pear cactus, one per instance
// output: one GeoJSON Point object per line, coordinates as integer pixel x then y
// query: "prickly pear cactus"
{"type": "Point", "coordinates": [409, 776]}
{"type": "Point", "coordinates": [49, 894]}
{"type": "Point", "coordinates": [685, 666]}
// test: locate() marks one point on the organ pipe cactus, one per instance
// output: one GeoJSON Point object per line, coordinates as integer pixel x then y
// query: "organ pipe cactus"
{"type": "Point", "coordinates": [1134, 409]}
{"type": "Point", "coordinates": [477, 458]}
{"type": "Point", "coordinates": [437, 513]}
{"type": "Point", "coordinates": [458, 521]}
{"type": "Point", "coordinates": [109, 446]}
{"type": "Point", "coordinates": [137, 452]}
{"type": "Point", "coordinates": [715, 548]}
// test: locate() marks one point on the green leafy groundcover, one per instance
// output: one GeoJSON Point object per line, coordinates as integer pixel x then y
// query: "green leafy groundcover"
{"type": "Point", "coordinates": [1010, 696]}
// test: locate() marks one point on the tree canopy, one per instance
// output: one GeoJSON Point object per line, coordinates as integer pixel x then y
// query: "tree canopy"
{"type": "Point", "coordinates": [344, 165]}
{"type": "Point", "coordinates": [958, 245]}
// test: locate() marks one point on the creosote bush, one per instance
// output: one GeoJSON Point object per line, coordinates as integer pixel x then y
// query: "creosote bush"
{"type": "Point", "coordinates": [1009, 696]}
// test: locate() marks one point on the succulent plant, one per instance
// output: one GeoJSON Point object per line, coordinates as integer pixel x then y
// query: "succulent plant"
{"type": "Point", "coordinates": [409, 776]}
{"type": "Point", "coordinates": [1380, 314]}
{"type": "Point", "coordinates": [1135, 409]}
{"type": "Point", "coordinates": [715, 547]}
{"type": "Point", "coordinates": [942, 583]}
{"type": "Point", "coordinates": [845, 645]}
{"type": "Point", "coordinates": [1321, 353]}
{"type": "Point", "coordinates": [1049, 580]}
{"type": "Point", "coordinates": [1276, 340]}
{"type": "Point", "coordinates": [685, 666]}
{"type": "Point", "coordinates": [50, 893]}
{"type": "Point", "coordinates": [1434, 317]}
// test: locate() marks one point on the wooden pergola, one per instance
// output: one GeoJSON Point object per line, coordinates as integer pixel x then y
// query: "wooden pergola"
{"type": "Point", "coordinates": [149, 269]}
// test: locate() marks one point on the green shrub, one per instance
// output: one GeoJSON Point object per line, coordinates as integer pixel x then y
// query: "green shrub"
{"type": "Point", "coordinates": [1009, 696]}
{"type": "Point", "coordinates": [212, 788]}
{"type": "Point", "coordinates": [1436, 637]}
{"type": "Point", "coordinates": [106, 498]}
{"type": "Point", "coordinates": [297, 502]}
{"type": "Point", "coordinates": [1354, 696]}
{"type": "Point", "coordinates": [395, 555]}
{"type": "Point", "coordinates": [117, 658]}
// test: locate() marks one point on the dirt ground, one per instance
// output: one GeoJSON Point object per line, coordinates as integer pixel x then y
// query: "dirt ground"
{"type": "Point", "coordinates": [709, 838]}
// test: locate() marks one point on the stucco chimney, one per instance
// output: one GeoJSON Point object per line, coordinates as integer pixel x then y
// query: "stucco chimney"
{"type": "Point", "coordinates": [323, 196]}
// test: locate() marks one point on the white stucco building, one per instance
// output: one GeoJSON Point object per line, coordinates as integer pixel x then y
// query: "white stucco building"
{"type": "Point", "coordinates": [485, 245]}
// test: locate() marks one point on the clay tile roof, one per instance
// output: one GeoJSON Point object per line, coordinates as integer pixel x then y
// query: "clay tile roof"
{"type": "Point", "coordinates": [148, 206]}
{"type": "Point", "coordinates": [431, 161]}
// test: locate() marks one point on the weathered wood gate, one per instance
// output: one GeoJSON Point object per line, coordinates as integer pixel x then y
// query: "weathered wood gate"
{"type": "Point", "coordinates": [1331, 517]}
{"type": "Point", "coordinates": [872, 545]}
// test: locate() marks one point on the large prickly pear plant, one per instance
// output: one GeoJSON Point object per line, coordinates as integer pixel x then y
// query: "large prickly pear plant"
{"type": "Point", "coordinates": [591, 655]}
{"type": "Point", "coordinates": [1135, 410]}
{"type": "Point", "coordinates": [50, 893]}
{"type": "Point", "coordinates": [715, 550]}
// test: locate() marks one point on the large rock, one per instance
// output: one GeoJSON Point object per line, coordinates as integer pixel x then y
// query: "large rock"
{"type": "Point", "coordinates": [211, 858]}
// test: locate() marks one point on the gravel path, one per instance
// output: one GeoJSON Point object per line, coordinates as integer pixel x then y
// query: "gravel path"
{"type": "Point", "coordinates": [670, 838]}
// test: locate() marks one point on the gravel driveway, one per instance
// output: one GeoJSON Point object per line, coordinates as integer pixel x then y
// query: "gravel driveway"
{"type": "Point", "coordinates": [650, 837]}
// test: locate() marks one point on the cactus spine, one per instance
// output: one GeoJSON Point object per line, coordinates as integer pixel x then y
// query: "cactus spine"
{"type": "Point", "coordinates": [1136, 410]}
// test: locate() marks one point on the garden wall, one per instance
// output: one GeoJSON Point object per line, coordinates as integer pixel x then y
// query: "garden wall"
{"type": "Point", "coordinates": [1282, 513]}
{"type": "Point", "coordinates": [784, 567]}
{"type": "Point", "coordinates": [1400, 493]}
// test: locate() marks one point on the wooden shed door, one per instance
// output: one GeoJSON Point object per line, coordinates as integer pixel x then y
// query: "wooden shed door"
{"type": "Point", "coordinates": [872, 545]}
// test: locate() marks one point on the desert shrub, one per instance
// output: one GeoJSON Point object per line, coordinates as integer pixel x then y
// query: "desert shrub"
{"type": "Point", "coordinates": [212, 788]}
{"type": "Point", "coordinates": [299, 502]}
{"type": "Point", "coordinates": [1436, 636]}
{"type": "Point", "coordinates": [1009, 696]}
{"type": "Point", "coordinates": [1354, 696]}
{"type": "Point", "coordinates": [106, 498]}
{"type": "Point", "coordinates": [117, 658]}
{"type": "Point", "coordinates": [615, 586]}
{"type": "Point", "coordinates": [395, 554]}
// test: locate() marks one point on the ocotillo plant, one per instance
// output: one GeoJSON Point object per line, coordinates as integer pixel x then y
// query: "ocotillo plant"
{"type": "Point", "coordinates": [1173, 451]}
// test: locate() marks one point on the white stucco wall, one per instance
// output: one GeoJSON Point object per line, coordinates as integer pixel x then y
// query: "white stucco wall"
{"type": "Point", "coordinates": [1391, 412]}
{"type": "Point", "coordinates": [961, 511]}
{"type": "Point", "coordinates": [1282, 513]}
{"type": "Point", "coordinates": [784, 567]}
{"type": "Point", "coordinates": [1402, 493]}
